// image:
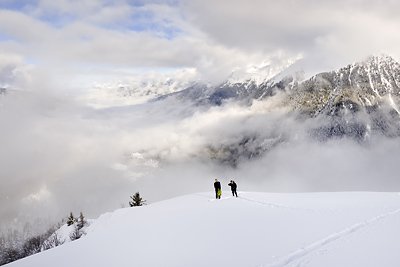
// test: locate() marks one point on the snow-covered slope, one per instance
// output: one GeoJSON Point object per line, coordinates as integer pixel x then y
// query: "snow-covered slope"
{"type": "Point", "coordinates": [255, 229]}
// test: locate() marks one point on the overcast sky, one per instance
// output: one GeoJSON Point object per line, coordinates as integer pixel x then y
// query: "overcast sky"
{"type": "Point", "coordinates": [80, 42]}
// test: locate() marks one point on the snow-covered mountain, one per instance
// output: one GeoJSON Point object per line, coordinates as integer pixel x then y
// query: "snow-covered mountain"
{"type": "Point", "coordinates": [364, 84]}
{"type": "Point", "coordinates": [255, 229]}
{"type": "Point", "coordinates": [358, 101]}
{"type": "Point", "coordinates": [139, 88]}
{"type": "Point", "coordinates": [241, 86]}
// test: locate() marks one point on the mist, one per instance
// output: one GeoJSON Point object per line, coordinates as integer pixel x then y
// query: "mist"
{"type": "Point", "coordinates": [59, 156]}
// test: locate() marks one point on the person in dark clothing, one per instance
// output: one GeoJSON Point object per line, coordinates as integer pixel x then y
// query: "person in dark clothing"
{"type": "Point", "coordinates": [217, 187]}
{"type": "Point", "coordinates": [233, 186]}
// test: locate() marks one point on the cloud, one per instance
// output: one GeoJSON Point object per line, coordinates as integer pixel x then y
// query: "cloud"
{"type": "Point", "coordinates": [67, 38]}
{"type": "Point", "coordinates": [59, 155]}
{"type": "Point", "coordinates": [299, 26]}
{"type": "Point", "coordinates": [14, 71]}
{"type": "Point", "coordinates": [159, 34]}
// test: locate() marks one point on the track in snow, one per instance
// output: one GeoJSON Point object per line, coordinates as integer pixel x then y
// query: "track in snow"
{"type": "Point", "coordinates": [273, 205]}
{"type": "Point", "coordinates": [297, 254]}
{"type": "Point", "coordinates": [213, 199]}
{"type": "Point", "coordinates": [292, 257]}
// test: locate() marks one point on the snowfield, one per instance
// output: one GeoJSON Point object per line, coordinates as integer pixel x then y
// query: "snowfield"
{"type": "Point", "coordinates": [255, 229]}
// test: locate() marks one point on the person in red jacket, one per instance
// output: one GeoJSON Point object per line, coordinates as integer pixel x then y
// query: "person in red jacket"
{"type": "Point", "coordinates": [233, 186]}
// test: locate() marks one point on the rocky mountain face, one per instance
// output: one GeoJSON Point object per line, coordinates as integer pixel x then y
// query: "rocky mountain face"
{"type": "Point", "coordinates": [357, 101]}
{"type": "Point", "coordinates": [364, 84]}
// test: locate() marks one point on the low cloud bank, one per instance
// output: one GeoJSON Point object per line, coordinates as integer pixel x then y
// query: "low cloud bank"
{"type": "Point", "coordinates": [59, 157]}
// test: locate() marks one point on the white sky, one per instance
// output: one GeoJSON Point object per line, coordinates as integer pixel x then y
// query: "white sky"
{"type": "Point", "coordinates": [77, 42]}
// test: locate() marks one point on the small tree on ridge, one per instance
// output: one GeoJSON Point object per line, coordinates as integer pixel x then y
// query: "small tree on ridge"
{"type": "Point", "coordinates": [71, 219]}
{"type": "Point", "coordinates": [137, 200]}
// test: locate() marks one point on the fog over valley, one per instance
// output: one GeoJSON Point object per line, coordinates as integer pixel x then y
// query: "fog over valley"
{"type": "Point", "coordinates": [102, 99]}
{"type": "Point", "coordinates": [59, 156]}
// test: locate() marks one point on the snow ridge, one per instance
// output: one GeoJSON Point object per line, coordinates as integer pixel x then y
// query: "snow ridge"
{"type": "Point", "coordinates": [250, 231]}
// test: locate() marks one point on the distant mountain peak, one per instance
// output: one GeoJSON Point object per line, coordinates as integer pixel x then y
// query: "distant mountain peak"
{"type": "Point", "coordinates": [366, 85]}
{"type": "Point", "coordinates": [381, 57]}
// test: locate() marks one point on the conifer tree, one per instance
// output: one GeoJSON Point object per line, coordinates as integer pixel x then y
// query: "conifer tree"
{"type": "Point", "coordinates": [81, 221]}
{"type": "Point", "coordinates": [71, 219]}
{"type": "Point", "coordinates": [137, 200]}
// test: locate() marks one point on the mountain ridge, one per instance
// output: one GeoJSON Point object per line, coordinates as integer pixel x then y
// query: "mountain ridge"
{"type": "Point", "coordinates": [357, 102]}
{"type": "Point", "coordinates": [363, 83]}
